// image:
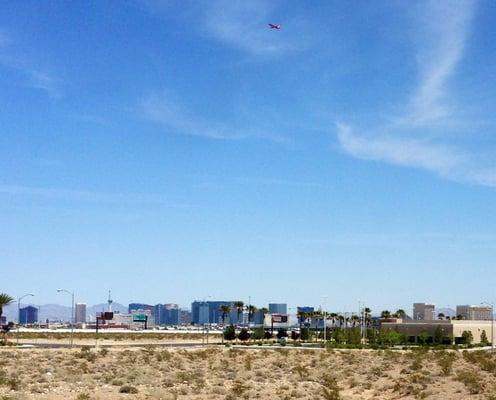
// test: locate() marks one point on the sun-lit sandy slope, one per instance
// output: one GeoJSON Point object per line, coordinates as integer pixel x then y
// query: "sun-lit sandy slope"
{"type": "Point", "coordinates": [221, 373]}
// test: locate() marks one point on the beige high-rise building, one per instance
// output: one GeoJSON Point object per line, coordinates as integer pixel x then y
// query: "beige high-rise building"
{"type": "Point", "coordinates": [80, 314]}
{"type": "Point", "coordinates": [424, 312]}
{"type": "Point", "coordinates": [474, 313]}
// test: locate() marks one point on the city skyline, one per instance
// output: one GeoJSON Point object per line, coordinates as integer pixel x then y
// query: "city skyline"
{"type": "Point", "coordinates": [183, 150]}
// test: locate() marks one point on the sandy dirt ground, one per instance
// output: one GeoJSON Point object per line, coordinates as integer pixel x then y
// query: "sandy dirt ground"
{"type": "Point", "coordinates": [223, 373]}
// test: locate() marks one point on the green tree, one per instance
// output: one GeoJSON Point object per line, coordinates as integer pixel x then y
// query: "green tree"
{"type": "Point", "coordinates": [438, 335]}
{"type": "Point", "coordinates": [243, 335]}
{"type": "Point", "coordinates": [440, 316]}
{"type": "Point", "coordinates": [385, 314]}
{"type": "Point", "coordinates": [423, 337]}
{"type": "Point", "coordinates": [258, 333]}
{"type": "Point", "coordinates": [483, 338]}
{"type": "Point", "coordinates": [225, 309]}
{"type": "Point", "coordinates": [391, 338]}
{"type": "Point", "coordinates": [230, 332]}
{"type": "Point", "coordinates": [5, 300]}
{"type": "Point", "coordinates": [400, 314]}
{"type": "Point", "coordinates": [239, 306]}
{"type": "Point", "coordinates": [467, 337]}
{"type": "Point", "coordinates": [251, 312]}
{"type": "Point", "coordinates": [305, 334]}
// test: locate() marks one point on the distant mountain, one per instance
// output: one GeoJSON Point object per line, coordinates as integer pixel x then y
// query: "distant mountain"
{"type": "Point", "coordinates": [448, 312]}
{"type": "Point", "coordinates": [56, 312]}
{"type": "Point", "coordinates": [116, 307]}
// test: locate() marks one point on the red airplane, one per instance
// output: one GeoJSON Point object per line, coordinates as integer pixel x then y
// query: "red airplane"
{"type": "Point", "coordinates": [275, 26]}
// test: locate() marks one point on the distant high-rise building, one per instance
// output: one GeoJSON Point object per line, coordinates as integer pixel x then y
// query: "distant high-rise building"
{"type": "Point", "coordinates": [140, 306]}
{"type": "Point", "coordinates": [278, 308]}
{"type": "Point", "coordinates": [28, 315]}
{"type": "Point", "coordinates": [424, 312]}
{"type": "Point", "coordinates": [80, 316]}
{"type": "Point", "coordinates": [166, 314]}
{"type": "Point", "coordinates": [208, 312]}
{"type": "Point", "coordinates": [477, 313]}
{"type": "Point", "coordinates": [184, 317]}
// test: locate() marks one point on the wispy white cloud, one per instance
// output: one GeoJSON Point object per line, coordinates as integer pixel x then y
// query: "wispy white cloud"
{"type": "Point", "coordinates": [417, 137]}
{"type": "Point", "coordinates": [32, 76]}
{"type": "Point", "coordinates": [56, 193]}
{"type": "Point", "coordinates": [400, 151]}
{"type": "Point", "coordinates": [164, 111]}
{"type": "Point", "coordinates": [440, 49]}
{"type": "Point", "coordinates": [170, 114]}
{"type": "Point", "coordinates": [45, 82]}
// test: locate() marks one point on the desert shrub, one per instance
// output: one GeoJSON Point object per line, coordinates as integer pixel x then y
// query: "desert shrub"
{"type": "Point", "coordinates": [244, 335]}
{"type": "Point", "coordinates": [103, 352]}
{"type": "Point", "coordinates": [445, 362]}
{"type": "Point", "coordinates": [483, 359]}
{"type": "Point", "coordinates": [83, 396]}
{"type": "Point", "coordinates": [295, 335]}
{"type": "Point", "coordinates": [282, 333]}
{"type": "Point", "coordinates": [128, 389]}
{"type": "Point", "coordinates": [230, 333]}
{"type": "Point", "coordinates": [302, 371]}
{"type": "Point", "coordinates": [330, 388]}
{"type": "Point", "coordinates": [258, 334]}
{"type": "Point", "coordinates": [238, 388]}
{"type": "Point", "coordinates": [471, 380]}
{"type": "Point", "coordinates": [86, 354]}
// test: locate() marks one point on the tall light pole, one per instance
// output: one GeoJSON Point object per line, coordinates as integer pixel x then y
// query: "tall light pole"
{"type": "Point", "coordinates": [325, 317]}
{"type": "Point", "coordinates": [72, 312]}
{"type": "Point", "coordinates": [19, 313]}
{"type": "Point", "coordinates": [492, 323]}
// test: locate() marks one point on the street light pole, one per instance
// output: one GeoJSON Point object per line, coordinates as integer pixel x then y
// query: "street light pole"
{"type": "Point", "coordinates": [19, 313]}
{"type": "Point", "coordinates": [325, 318]}
{"type": "Point", "coordinates": [72, 313]}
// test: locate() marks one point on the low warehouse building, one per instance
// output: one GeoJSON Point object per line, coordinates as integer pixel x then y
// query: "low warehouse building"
{"type": "Point", "coordinates": [450, 330]}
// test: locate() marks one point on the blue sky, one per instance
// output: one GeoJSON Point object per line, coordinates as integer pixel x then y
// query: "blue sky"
{"type": "Point", "coordinates": [173, 150]}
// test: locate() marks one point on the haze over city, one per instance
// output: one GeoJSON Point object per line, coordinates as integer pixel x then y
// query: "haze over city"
{"type": "Point", "coordinates": [172, 151]}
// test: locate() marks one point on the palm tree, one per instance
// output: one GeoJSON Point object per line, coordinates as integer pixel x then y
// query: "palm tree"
{"type": "Point", "coordinates": [368, 316]}
{"type": "Point", "coordinates": [400, 314]}
{"type": "Point", "coordinates": [239, 306]}
{"type": "Point", "coordinates": [5, 300]}
{"type": "Point", "coordinates": [318, 316]}
{"type": "Point", "coordinates": [440, 316]}
{"type": "Point", "coordinates": [225, 309]}
{"type": "Point", "coordinates": [354, 320]}
{"type": "Point", "coordinates": [251, 312]}
{"type": "Point", "coordinates": [333, 317]}
{"type": "Point", "coordinates": [385, 314]}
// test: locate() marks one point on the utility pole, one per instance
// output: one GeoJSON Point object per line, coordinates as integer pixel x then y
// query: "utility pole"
{"type": "Point", "coordinates": [19, 313]}
{"type": "Point", "coordinates": [72, 313]}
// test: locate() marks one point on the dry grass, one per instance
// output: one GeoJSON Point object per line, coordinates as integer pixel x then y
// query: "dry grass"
{"type": "Point", "coordinates": [221, 373]}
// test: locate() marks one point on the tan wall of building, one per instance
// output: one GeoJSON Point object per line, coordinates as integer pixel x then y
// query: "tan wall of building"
{"type": "Point", "coordinates": [452, 328]}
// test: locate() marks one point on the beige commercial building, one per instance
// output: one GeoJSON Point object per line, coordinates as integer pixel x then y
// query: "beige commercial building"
{"type": "Point", "coordinates": [424, 312]}
{"type": "Point", "coordinates": [451, 330]}
{"type": "Point", "coordinates": [479, 313]}
{"type": "Point", "coordinates": [80, 316]}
